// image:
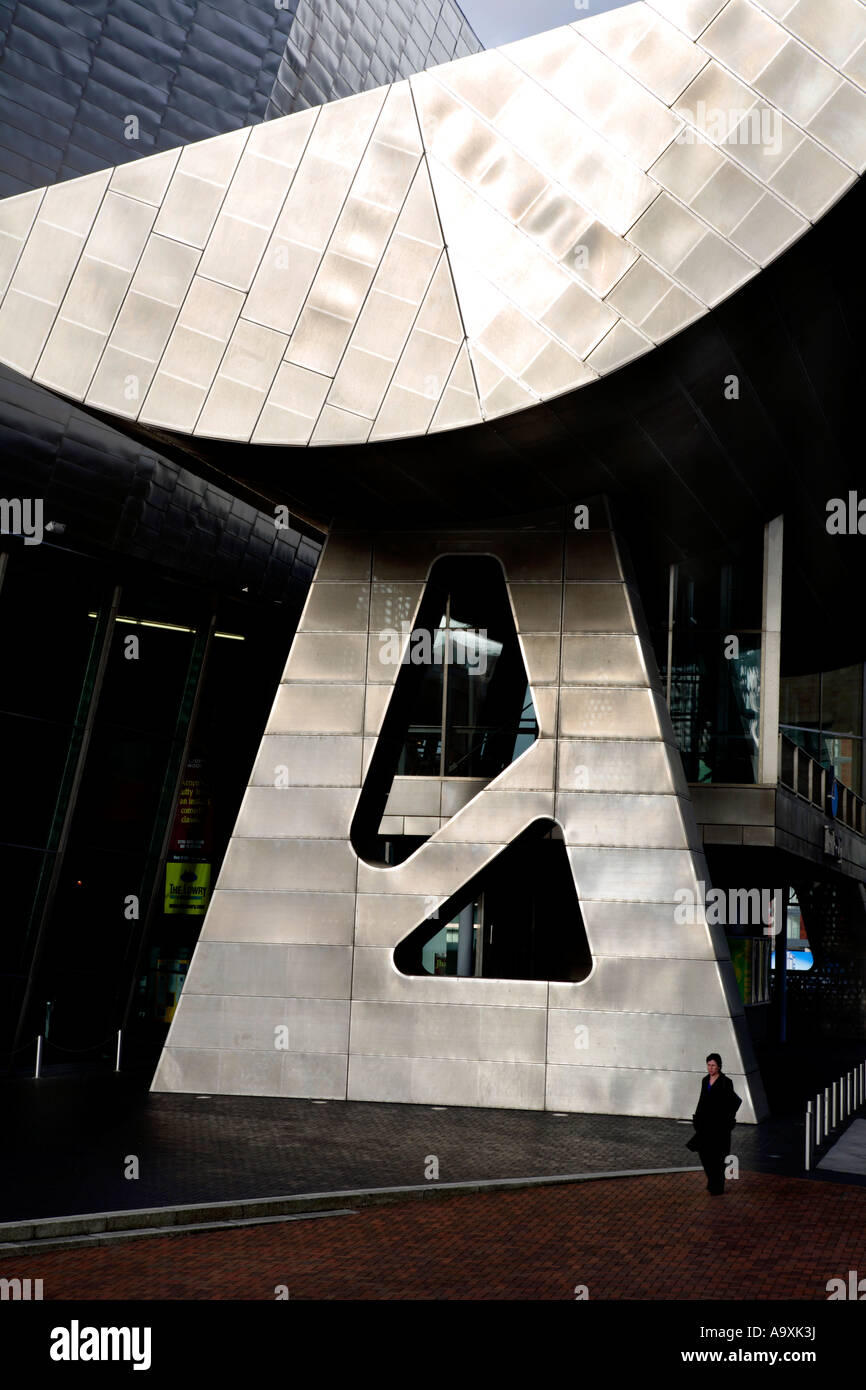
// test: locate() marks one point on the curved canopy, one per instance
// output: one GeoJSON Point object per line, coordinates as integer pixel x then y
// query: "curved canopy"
{"type": "Point", "coordinates": [489, 234]}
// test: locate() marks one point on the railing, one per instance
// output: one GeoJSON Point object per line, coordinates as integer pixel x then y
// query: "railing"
{"type": "Point", "coordinates": [827, 1113]}
{"type": "Point", "coordinates": [803, 775]}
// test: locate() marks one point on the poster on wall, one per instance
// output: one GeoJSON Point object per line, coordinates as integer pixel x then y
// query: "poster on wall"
{"type": "Point", "coordinates": [187, 889]}
{"type": "Point", "coordinates": [188, 870]}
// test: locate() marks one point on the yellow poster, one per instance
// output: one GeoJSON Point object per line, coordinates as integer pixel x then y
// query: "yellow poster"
{"type": "Point", "coordinates": [187, 887]}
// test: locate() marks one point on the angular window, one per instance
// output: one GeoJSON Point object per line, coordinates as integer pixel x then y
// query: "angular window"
{"type": "Point", "coordinates": [461, 707]}
{"type": "Point", "coordinates": [519, 919]}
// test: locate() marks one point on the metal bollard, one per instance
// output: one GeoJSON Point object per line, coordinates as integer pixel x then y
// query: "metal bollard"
{"type": "Point", "coordinates": [117, 1060]}
{"type": "Point", "coordinates": [819, 1120]}
{"type": "Point", "coordinates": [826, 1111]}
{"type": "Point", "coordinates": [808, 1136]}
{"type": "Point", "coordinates": [835, 1103]}
{"type": "Point", "coordinates": [38, 1071]}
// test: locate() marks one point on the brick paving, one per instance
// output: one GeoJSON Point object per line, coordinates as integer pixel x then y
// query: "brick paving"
{"type": "Point", "coordinates": [650, 1238]}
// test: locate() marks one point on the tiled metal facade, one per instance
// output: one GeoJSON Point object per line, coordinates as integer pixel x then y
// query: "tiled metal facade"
{"type": "Point", "coordinates": [338, 47]}
{"type": "Point", "coordinates": [71, 76]}
{"type": "Point", "coordinates": [453, 248]}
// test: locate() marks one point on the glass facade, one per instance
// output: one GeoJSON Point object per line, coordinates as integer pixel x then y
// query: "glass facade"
{"type": "Point", "coordinates": [715, 675]}
{"type": "Point", "coordinates": [823, 714]}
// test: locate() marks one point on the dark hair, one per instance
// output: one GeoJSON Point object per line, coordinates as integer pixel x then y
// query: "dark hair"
{"type": "Point", "coordinates": [714, 1057]}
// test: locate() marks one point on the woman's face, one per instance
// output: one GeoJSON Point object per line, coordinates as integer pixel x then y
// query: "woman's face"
{"type": "Point", "coordinates": [713, 1068]}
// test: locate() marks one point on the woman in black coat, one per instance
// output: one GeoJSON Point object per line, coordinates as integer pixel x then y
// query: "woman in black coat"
{"type": "Point", "coordinates": [713, 1121]}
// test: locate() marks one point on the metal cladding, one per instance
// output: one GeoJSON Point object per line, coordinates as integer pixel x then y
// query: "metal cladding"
{"type": "Point", "coordinates": [337, 47]}
{"type": "Point", "coordinates": [293, 989]}
{"type": "Point", "coordinates": [456, 247]}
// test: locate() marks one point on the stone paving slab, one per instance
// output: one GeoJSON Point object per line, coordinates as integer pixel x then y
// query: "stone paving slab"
{"type": "Point", "coordinates": [848, 1154]}
{"type": "Point", "coordinates": [67, 1146]}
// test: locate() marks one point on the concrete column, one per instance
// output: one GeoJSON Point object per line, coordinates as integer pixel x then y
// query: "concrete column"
{"type": "Point", "coordinates": [771, 649]}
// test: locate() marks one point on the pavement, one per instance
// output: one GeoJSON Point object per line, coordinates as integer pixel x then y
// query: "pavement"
{"type": "Point", "coordinates": [659, 1237]}
{"type": "Point", "coordinates": [70, 1143]}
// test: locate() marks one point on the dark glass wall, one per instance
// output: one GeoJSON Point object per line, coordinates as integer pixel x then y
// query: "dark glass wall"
{"type": "Point", "coordinates": [716, 663]}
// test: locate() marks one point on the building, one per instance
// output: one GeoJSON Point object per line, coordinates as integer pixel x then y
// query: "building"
{"type": "Point", "coordinates": [568, 328]}
{"type": "Point", "coordinates": [107, 759]}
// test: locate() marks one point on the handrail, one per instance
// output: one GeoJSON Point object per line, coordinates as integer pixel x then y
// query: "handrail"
{"type": "Point", "coordinates": [810, 780]}
{"type": "Point", "coordinates": [830, 1109]}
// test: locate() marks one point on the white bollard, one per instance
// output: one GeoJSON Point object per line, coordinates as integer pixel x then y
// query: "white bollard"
{"type": "Point", "coordinates": [117, 1060]}
{"type": "Point", "coordinates": [808, 1136]}
{"type": "Point", "coordinates": [38, 1071]}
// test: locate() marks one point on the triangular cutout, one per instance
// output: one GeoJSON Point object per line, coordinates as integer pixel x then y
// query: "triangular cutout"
{"type": "Point", "coordinates": [460, 710]}
{"type": "Point", "coordinates": [518, 919]}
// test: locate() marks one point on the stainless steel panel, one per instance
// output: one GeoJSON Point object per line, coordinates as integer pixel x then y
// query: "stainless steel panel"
{"type": "Point", "coordinates": [318, 709]}
{"type": "Point", "coordinates": [146, 179]}
{"type": "Point", "coordinates": [120, 231]}
{"type": "Point", "coordinates": [320, 1075]}
{"type": "Point", "coordinates": [537, 608]}
{"type": "Point", "coordinates": [113, 379]}
{"type": "Point", "coordinates": [609, 1091]}
{"type": "Point", "coordinates": [675, 311]}
{"type": "Point", "coordinates": [260, 969]}
{"type": "Point", "coordinates": [643, 930]}
{"type": "Point", "coordinates": [797, 82]}
{"type": "Point", "coordinates": [768, 229]}
{"type": "Point", "coordinates": [608, 713]}
{"type": "Point", "coordinates": [457, 792]}
{"type": "Point", "coordinates": [73, 204]}
{"type": "Point", "coordinates": [464, 1031]}
{"type": "Point", "coordinates": [172, 403]}
{"type": "Point", "coordinates": [541, 656]}
{"type": "Point", "coordinates": [318, 918]}
{"type": "Point", "coordinates": [743, 39]}
{"type": "Point", "coordinates": [310, 812]}
{"type": "Point", "coordinates": [434, 869]}
{"type": "Point", "coordinates": [69, 358]}
{"type": "Point", "coordinates": [293, 866]}
{"type": "Point", "coordinates": [833, 29]}
{"type": "Point", "coordinates": [327, 656]}
{"type": "Point", "coordinates": [692, 16]}
{"type": "Point", "coordinates": [250, 1073]}
{"type": "Point", "coordinates": [384, 919]}
{"type": "Point", "coordinates": [657, 1041]}
{"type": "Point", "coordinates": [812, 179]}
{"type": "Point", "coordinates": [336, 608]}
{"type": "Point", "coordinates": [375, 978]}
{"type": "Point", "coordinates": [596, 608]}
{"type": "Point", "coordinates": [591, 555]}
{"type": "Point", "coordinates": [602, 658]}
{"type": "Point", "coordinates": [496, 817]}
{"type": "Point", "coordinates": [414, 796]}
{"type": "Point", "coordinates": [533, 770]}
{"type": "Point", "coordinates": [344, 557]}
{"type": "Point", "coordinates": [187, 1069]}
{"type": "Point", "coordinates": [714, 269]}
{"type": "Point", "coordinates": [309, 761]}
{"type": "Point", "coordinates": [615, 765]}
{"type": "Point", "coordinates": [633, 875]}
{"type": "Point", "coordinates": [602, 818]}
{"type": "Point", "coordinates": [841, 126]}
{"type": "Point", "coordinates": [620, 345]}
{"type": "Point", "coordinates": [647, 47]}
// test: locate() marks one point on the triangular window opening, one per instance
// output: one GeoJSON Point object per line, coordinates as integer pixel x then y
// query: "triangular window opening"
{"type": "Point", "coordinates": [518, 919]}
{"type": "Point", "coordinates": [461, 705]}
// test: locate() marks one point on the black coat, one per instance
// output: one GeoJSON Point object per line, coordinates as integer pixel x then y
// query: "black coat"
{"type": "Point", "coordinates": [714, 1117]}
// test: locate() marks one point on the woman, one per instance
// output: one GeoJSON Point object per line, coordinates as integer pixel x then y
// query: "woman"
{"type": "Point", "coordinates": [713, 1121]}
